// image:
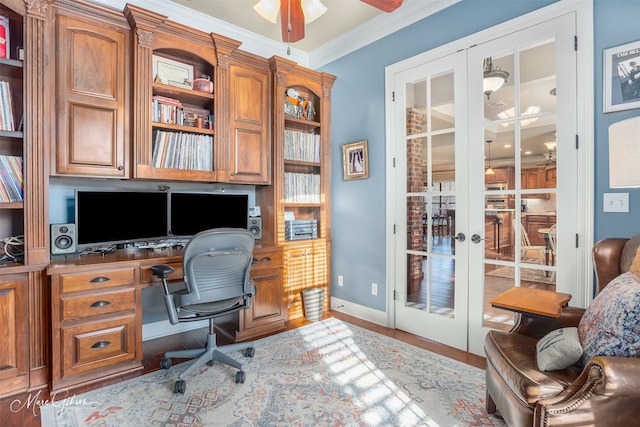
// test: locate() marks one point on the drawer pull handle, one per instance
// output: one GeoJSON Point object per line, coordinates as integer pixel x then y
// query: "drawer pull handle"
{"type": "Point", "coordinates": [266, 259]}
{"type": "Point", "coordinates": [101, 303]}
{"type": "Point", "coordinates": [100, 279]}
{"type": "Point", "coordinates": [254, 260]}
{"type": "Point", "coordinates": [101, 344]}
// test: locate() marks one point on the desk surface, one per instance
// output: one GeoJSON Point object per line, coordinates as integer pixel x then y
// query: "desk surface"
{"type": "Point", "coordinates": [532, 300]}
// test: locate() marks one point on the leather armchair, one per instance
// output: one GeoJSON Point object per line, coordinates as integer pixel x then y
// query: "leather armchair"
{"type": "Point", "coordinates": [603, 393]}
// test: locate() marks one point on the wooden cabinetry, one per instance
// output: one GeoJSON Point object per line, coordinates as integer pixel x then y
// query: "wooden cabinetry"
{"type": "Point", "coordinates": [306, 267]}
{"type": "Point", "coordinates": [301, 177]}
{"type": "Point", "coordinates": [532, 223]}
{"type": "Point", "coordinates": [250, 141]}
{"type": "Point", "coordinates": [498, 234]}
{"type": "Point", "coordinates": [93, 76]}
{"type": "Point", "coordinates": [268, 311]}
{"type": "Point", "coordinates": [14, 322]}
{"type": "Point", "coordinates": [502, 175]}
{"type": "Point", "coordinates": [550, 176]}
{"type": "Point", "coordinates": [96, 324]}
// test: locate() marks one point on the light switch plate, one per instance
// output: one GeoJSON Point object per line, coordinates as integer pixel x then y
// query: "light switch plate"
{"type": "Point", "coordinates": [616, 202]}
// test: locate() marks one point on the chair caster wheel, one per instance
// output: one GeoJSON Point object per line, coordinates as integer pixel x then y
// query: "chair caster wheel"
{"type": "Point", "coordinates": [165, 363]}
{"type": "Point", "coordinates": [210, 363]}
{"type": "Point", "coordinates": [240, 377]}
{"type": "Point", "coordinates": [179, 387]}
{"type": "Point", "coordinates": [249, 352]}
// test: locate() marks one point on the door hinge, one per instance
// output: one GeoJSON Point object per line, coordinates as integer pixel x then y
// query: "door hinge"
{"type": "Point", "coordinates": [575, 43]}
{"type": "Point", "coordinates": [577, 142]}
{"type": "Point", "coordinates": [394, 295]}
{"type": "Point", "coordinates": [394, 229]}
{"type": "Point", "coordinates": [394, 162]}
{"type": "Point", "coordinates": [393, 96]}
{"type": "Point", "coordinates": [577, 241]}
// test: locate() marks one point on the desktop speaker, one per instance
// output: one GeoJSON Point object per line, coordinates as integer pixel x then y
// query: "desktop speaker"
{"type": "Point", "coordinates": [63, 239]}
{"type": "Point", "coordinates": [255, 227]}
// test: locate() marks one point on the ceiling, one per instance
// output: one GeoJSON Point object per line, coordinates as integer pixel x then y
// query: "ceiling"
{"type": "Point", "coordinates": [341, 16]}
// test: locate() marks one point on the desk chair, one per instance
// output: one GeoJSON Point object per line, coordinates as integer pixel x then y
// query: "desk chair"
{"type": "Point", "coordinates": [216, 266]}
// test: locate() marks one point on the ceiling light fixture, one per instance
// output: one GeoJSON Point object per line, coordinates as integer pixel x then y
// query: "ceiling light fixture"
{"type": "Point", "coordinates": [294, 14]}
{"type": "Point", "coordinates": [489, 170]}
{"type": "Point", "coordinates": [493, 78]}
{"type": "Point", "coordinates": [510, 113]}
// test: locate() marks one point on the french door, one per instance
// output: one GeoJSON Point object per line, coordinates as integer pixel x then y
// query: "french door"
{"type": "Point", "coordinates": [486, 181]}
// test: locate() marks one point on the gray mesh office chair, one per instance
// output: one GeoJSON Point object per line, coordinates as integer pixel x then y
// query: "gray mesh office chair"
{"type": "Point", "coordinates": [216, 266]}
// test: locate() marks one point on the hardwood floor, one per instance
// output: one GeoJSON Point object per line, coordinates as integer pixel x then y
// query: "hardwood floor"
{"type": "Point", "coordinates": [23, 410]}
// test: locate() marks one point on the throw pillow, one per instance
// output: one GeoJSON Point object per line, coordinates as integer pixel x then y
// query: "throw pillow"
{"type": "Point", "coordinates": [609, 326]}
{"type": "Point", "coordinates": [635, 264]}
{"type": "Point", "coordinates": [558, 349]}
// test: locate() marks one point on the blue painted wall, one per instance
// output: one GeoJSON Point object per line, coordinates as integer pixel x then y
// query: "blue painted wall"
{"type": "Point", "coordinates": [358, 211]}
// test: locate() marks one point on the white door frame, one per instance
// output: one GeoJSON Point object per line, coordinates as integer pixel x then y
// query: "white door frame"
{"type": "Point", "coordinates": [585, 102]}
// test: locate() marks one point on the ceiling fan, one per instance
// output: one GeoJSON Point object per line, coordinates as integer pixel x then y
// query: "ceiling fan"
{"type": "Point", "coordinates": [293, 13]}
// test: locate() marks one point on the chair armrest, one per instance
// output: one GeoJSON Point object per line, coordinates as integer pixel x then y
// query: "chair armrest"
{"type": "Point", "coordinates": [606, 392]}
{"type": "Point", "coordinates": [161, 270]}
{"type": "Point", "coordinates": [539, 326]}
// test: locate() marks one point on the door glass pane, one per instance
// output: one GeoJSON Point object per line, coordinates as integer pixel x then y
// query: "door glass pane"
{"type": "Point", "coordinates": [520, 174]}
{"type": "Point", "coordinates": [431, 198]}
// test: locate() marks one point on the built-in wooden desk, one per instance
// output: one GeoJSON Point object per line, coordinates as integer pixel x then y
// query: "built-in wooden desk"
{"type": "Point", "coordinates": [96, 309]}
{"type": "Point", "coordinates": [534, 301]}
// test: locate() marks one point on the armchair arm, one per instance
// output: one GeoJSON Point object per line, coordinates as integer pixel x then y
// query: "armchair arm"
{"type": "Point", "coordinates": [539, 326]}
{"type": "Point", "coordinates": [163, 271]}
{"type": "Point", "coordinates": [606, 392]}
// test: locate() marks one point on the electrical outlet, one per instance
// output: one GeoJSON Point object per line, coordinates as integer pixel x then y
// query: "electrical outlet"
{"type": "Point", "coordinates": [374, 289]}
{"type": "Point", "coordinates": [340, 280]}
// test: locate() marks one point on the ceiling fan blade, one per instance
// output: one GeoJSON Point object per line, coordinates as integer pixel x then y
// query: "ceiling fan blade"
{"type": "Point", "coordinates": [291, 20]}
{"type": "Point", "coordinates": [384, 5]}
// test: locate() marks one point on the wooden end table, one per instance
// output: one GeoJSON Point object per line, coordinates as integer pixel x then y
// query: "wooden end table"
{"type": "Point", "coordinates": [532, 301]}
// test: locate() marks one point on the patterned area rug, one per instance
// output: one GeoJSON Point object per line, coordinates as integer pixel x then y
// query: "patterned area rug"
{"type": "Point", "coordinates": [526, 274]}
{"type": "Point", "coordinates": [327, 373]}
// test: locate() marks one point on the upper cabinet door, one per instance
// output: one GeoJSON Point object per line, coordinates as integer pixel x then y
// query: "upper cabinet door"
{"type": "Point", "coordinates": [92, 95]}
{"type": "Point", "coordinates": [249, 145]}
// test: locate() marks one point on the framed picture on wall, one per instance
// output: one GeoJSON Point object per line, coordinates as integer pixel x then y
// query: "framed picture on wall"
{"type": "Point", "coordinates": [355, 157]}
{"type": "Point", "coordinates": [621, 77]}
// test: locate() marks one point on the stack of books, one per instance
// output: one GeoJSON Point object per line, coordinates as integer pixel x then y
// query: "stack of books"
{"type": "Point", "coordinates": [178, 150]}
{"type": "Point", "coordinates": [302, 146]}
{"type": "Point", "coordinates": [6, 108]}
{"type": "Point", "coordinates": [301, 187]}
{"type": "Point", "coordinates": [11, 179]}
{"type": "Point", "coordinates": [166, 110]}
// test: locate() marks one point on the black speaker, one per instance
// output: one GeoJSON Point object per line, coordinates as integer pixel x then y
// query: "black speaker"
{"type": "Point", "coordinates": [255, 227]}
{"type": "Point", "coordinates": [63, 239]}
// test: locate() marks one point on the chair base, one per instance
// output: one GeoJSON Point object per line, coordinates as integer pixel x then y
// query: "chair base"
{"type": "Point", "coordinates": [211, 352]}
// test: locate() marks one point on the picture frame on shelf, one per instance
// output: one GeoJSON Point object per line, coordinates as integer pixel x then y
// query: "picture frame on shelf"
{"type": "Point", "coordinates": [172, 72]}
{"type": "Point", "coordinates": [621, 77]}
{"type": "Point", "coordinates": [355, 160]}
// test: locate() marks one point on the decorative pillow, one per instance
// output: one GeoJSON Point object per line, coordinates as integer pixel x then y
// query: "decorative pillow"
{"type": "Point", "coordinates": [635, 265]}
{"type": "Point", "coordinates": [610, 326]}
{"type": "Point", "coordinates": [558, 349]}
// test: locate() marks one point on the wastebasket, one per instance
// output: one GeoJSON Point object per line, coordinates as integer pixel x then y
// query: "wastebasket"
{"type": "Point", "coordinates": [312, 300]}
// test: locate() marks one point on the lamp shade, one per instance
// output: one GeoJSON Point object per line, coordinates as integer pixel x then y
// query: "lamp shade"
{"type": "Point", "coordinates": [624, 153]}
{"type": "Point", "coordinates": [268, 9]}
{"type": "Point", "coordinates": [312, 10]}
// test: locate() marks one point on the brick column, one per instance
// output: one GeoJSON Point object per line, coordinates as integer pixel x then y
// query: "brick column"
{"type": "Point", "coordinates": [415, 207]}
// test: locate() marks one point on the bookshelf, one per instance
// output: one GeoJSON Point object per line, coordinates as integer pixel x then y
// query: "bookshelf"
{"type": "Point", "coordinates": [12, 218]}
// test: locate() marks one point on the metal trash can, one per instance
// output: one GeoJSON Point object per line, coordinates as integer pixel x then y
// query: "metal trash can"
{"type": "Point", "coordinates": [313, 299]}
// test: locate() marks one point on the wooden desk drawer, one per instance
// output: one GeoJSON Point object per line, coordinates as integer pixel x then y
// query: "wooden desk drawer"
{"type": "Point", "coordinates": [264, 258]}
{"type": "Point", "coordinates": [97, 280]}
{"type": "Point", "coordinates": [110, 301]}
{"type": "Point", "coordinates": [148, 277]}
{"type": "Point", "coordinates": [92, 345]}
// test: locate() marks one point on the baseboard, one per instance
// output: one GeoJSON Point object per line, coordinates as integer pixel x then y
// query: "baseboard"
{"type": "Point", "coordinates": [164, 328]}
{"type": "Point", "coordinates": [361, 312]}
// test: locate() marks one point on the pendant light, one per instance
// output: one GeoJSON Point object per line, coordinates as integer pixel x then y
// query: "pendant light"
{"type": "Point", "coordinates": [489, 170]}
{"type": "Point", "coordinates": [493, 78]}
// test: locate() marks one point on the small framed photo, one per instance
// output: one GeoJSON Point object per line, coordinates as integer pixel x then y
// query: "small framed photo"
{"type": "Point", "coordinates": [355, 158]}
{"type": "Point", "coordinates": [172, 72]}
{"type": "Point", "coordinates": [621, 77]}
